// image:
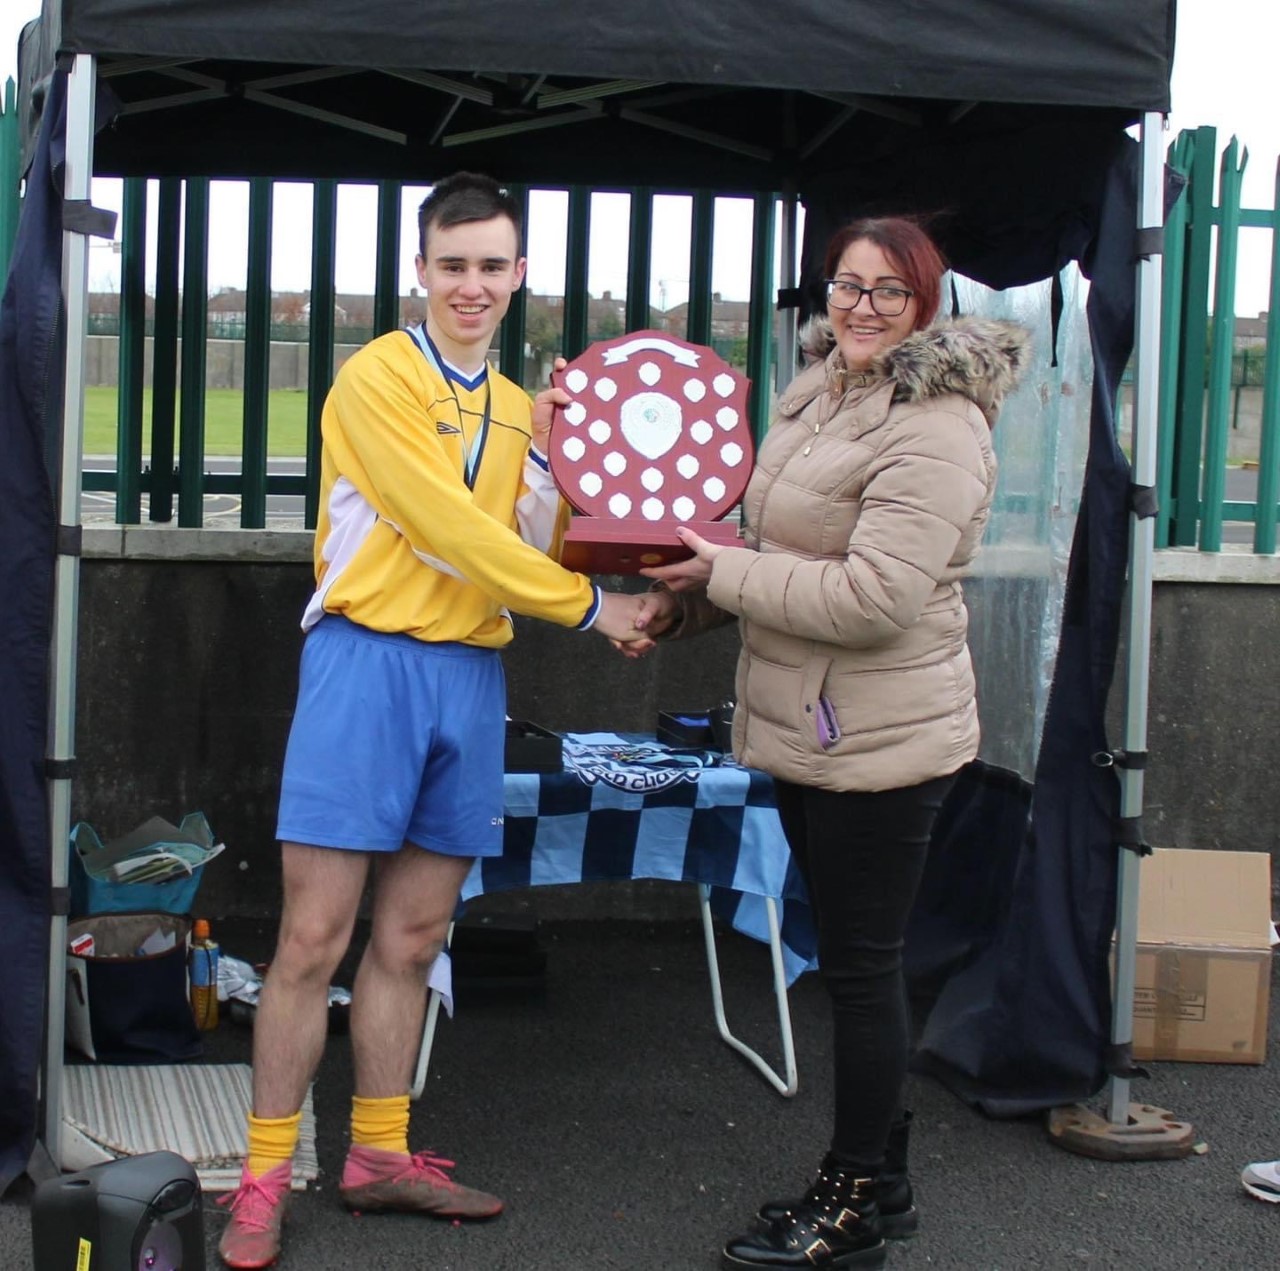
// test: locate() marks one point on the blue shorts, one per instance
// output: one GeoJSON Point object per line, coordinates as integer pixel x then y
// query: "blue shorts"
{"type": "Point", "coordinates": [394, 740]}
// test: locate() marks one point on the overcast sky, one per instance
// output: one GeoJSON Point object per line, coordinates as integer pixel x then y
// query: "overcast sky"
{"type": "Point", "coordinates": [1224, 75]}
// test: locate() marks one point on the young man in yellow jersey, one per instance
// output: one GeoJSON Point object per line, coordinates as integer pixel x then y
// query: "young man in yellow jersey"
{"type": "Point", "coordinates": [438, 519]}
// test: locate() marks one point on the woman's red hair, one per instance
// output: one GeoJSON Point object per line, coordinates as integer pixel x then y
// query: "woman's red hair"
{"type": "Point", "coordinates": [912, 253]}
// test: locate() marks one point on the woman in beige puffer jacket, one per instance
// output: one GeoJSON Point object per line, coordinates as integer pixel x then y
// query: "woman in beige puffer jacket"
{"type": "Point", "coordinates": [855, 686]}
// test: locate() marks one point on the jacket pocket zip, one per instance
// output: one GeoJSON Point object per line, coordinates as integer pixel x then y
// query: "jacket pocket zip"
{"type": "Point", "coordinates": [828, 724]}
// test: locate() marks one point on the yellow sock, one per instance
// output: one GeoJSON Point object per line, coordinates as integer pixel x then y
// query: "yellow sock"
{"type": "Point", "coordinates": [272, 1140]}
{"type": "Point", "coordinates": [381, 1123]}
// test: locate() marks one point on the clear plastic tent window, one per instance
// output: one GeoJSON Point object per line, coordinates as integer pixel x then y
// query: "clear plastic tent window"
{"type": "Point", "coordinates": [1016, 587]}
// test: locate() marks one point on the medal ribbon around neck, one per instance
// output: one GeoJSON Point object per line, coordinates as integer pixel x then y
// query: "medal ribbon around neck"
{"type": "Point", "coordinates": [471, 464]}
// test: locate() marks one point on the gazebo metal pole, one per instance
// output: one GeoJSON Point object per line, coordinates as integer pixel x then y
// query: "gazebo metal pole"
{"type": "Point", "coordinates": [62, 694]}
{"type": "Point", "coordinates": [1146, 385]}
{"type": "Point", "coordinates": [1134, 1131]}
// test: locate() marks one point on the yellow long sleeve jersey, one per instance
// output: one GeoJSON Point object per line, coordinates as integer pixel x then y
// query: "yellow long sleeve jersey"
{"type": "Point", "coordinates": [435, 517]}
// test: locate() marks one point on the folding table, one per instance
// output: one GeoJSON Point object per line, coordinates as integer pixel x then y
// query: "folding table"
{"type": "Point", "coordinates": [626, 807]}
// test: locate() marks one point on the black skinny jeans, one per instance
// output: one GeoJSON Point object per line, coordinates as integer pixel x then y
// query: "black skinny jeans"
{"type": "Point", "coordinates": [861, 856]}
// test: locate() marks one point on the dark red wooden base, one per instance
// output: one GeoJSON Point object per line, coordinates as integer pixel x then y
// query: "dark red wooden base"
{"type": "Point", "coordinates": [593, 545]}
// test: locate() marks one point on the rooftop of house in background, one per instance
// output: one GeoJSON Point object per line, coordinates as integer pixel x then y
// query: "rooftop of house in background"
{"type": "Point", "coordinates": [1251, 331]}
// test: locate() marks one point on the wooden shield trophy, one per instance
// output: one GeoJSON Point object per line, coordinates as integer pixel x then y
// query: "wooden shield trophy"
{"type": "Point", "coordinates": [657, 436]}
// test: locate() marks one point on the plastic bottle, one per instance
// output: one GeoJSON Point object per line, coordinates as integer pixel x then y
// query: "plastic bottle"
{"type": "Point", "coordinates": [204, 976]}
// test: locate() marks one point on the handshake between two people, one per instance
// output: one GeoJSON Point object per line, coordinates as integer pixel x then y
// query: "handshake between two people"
{"type": "Point", "coordinates": [633, 623]}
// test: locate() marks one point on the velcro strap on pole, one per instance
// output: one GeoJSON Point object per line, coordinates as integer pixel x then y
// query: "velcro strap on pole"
{"type": "Point", "coordinates": [1130, 836]}
{"type": "Point", "coordinates": [789, 297]}
{"type": "Point", "coordinates": [1143, 501]}
{"type": "Point", "coordinates": [70, 540]}
{"type": "Point", "coordinates": [79, 216]}
{"type": "Point", "coordinates": [1121, 759]}
{"type": "Point", "coordinates": [1133, 759]}
{"type": "Point", "coordinates": [1117, 1061]}
{"type": "Point", "coordinates": [1149, 242]}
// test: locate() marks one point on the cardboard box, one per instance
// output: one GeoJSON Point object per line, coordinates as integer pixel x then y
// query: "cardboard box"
{"type": "Point", "coordinates": [1204, 957]}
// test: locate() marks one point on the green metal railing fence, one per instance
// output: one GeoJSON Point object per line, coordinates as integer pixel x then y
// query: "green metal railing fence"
{"type": "Point", "coordinates": [1204, 373]}
{"type": "Point", "coordinates": [1211, 384]}
{"type": "Point", "coordinates": [177, 463]}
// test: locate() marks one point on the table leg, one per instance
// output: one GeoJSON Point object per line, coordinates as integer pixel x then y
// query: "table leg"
{"type": "Point", "coordinates": [784, 1085]}
{"type": "Point", "coordinates": [428, 1032]}
{"type": "Point", "coordinates": [787, 1085]}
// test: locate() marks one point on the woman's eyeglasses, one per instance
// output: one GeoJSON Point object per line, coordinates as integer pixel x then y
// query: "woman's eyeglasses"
{"type": "Point", "coordinates": [888, 302]}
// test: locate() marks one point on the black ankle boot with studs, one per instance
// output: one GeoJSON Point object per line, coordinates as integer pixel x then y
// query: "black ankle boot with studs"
{"type": "Point", "coordinates": [899, 1219]}
{"type": "Point", "coordinates": [836, 1225]}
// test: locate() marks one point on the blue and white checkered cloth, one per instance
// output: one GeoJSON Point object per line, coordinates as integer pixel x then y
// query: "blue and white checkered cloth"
{"type": "Point", "coordinates": [627, 807]}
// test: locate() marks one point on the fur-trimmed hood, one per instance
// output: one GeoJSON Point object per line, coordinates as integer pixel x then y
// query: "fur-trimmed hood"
{"type": "Point", "coordinates": [980, 358]}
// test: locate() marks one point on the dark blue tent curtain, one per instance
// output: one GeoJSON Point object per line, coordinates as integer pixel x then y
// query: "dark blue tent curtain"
{"type": "Point", "coordinates": [1024, 1022]}
{"type": "Point", "coordinates": [31, 376]}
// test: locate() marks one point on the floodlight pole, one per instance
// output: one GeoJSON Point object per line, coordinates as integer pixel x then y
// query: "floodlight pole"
{"type": "Point", "coordinates": [81, 87]}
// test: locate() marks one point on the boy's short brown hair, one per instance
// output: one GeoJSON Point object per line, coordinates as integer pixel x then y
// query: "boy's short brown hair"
{"type": "Point", "coordinates": [467, 196]}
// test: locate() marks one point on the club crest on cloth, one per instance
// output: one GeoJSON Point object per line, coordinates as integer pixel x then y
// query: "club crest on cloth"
{"type": "Point", "coordinates": [635, 767]}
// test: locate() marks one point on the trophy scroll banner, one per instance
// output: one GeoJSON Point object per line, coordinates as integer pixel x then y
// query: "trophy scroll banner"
{"type": "Point", "coordinates": [657, 436]}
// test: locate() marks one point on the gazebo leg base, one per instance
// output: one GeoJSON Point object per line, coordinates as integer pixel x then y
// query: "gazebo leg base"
{"type": "Point", "coordinates": [1149, 1134]}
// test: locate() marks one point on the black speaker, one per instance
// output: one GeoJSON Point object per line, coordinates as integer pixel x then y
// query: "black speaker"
{"type": "Point", "coordinates": [140, 1213]}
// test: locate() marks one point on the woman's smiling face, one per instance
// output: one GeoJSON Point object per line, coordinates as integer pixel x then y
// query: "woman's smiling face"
{"type": "Point", "coordinates": [861, 333]}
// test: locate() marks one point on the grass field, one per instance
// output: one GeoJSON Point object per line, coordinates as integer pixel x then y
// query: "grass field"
{"type": "Point", "coordinates": [223, 422]}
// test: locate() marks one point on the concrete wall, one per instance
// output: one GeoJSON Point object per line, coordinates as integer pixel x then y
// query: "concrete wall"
{"type": "Point", "coordinates": [188, 669]}
{"type": "Point", "coordinates": [188, 655]}
{"type": "Point", "coordinates": [1214, 717]}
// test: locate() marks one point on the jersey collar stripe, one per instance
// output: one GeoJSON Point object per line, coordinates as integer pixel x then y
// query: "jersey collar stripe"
{"type": "Point", "coordinates": [447, 370]}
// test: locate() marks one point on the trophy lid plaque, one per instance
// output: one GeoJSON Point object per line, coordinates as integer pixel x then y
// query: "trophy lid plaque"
{"type": "Point", "coordinates": [657, 436]}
